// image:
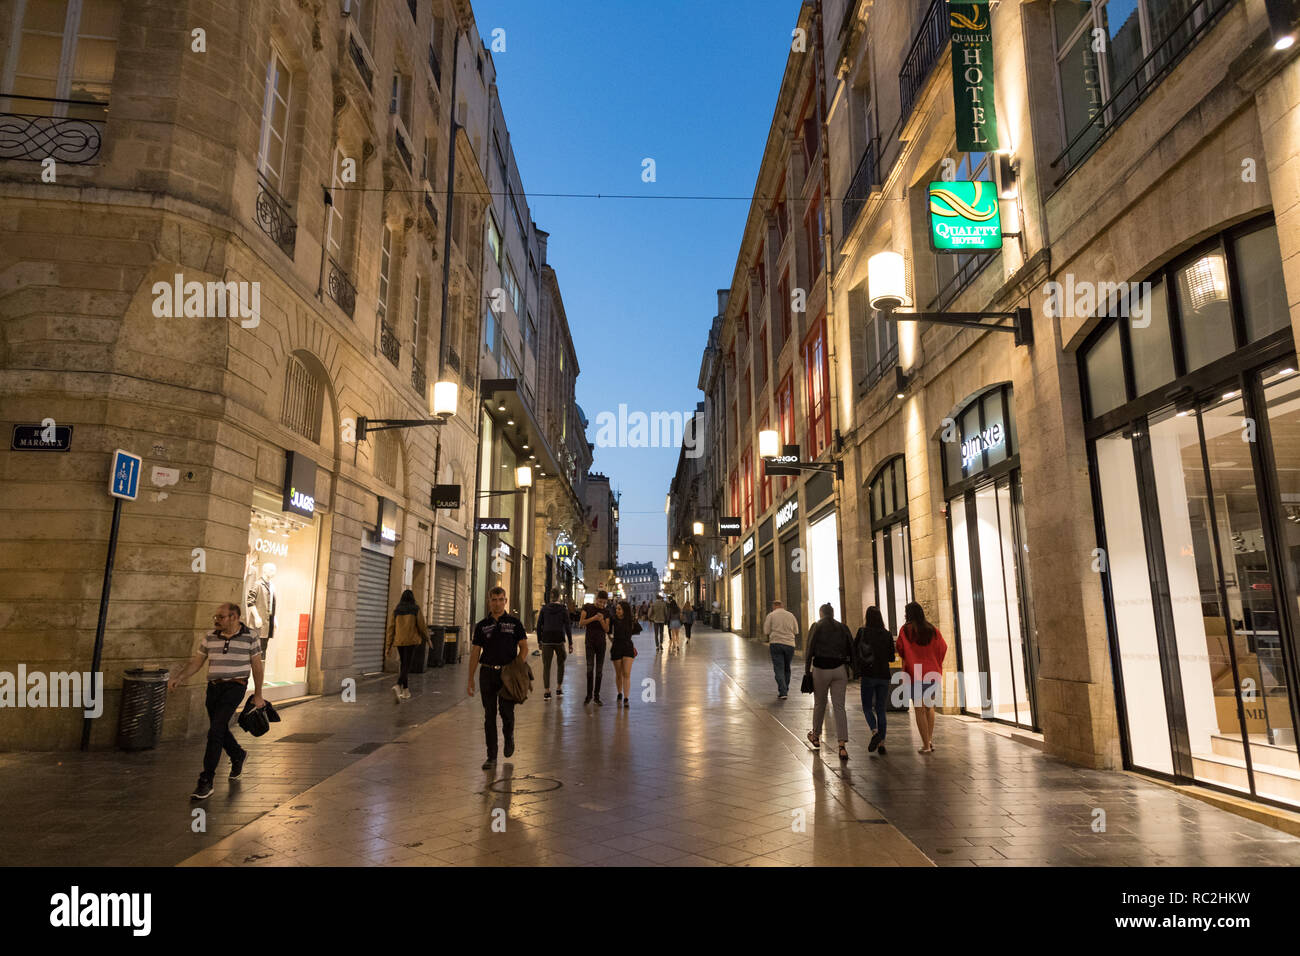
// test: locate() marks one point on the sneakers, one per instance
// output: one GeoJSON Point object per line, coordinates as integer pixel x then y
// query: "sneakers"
{"type": "Point", "coordinates": [627, 702]}
{"type": "Point", "coordinates": [599, 702]}
{"type": "Point", "coordinates": [236, 766]}
{"type": "Point", "coordinates": [202, 790]}
{"type": "Point", "coordinates": [490, 763]}
{"type": "Point", "coordinates": [881, 750]}
{"type": "Point", "coordinates": [546, 696]}
{"type": "Point", "coordinates": [559, 691]}
{"type": "Point", "coordinates": [397, 693]}
{"type": "Point", "coordinates": [617, 699]}
{"type": "Point", "coordinates": [587, 701]}
{"type": "Point", "coordinates": [875, 742]}
{"type": "Point", "coordinates": [510, 747]}
{"type": "Point", "coordinates": [781, 696]}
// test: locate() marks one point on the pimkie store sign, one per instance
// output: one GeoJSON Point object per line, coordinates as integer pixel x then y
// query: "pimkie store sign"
{"type": "Point", "coordinates": [964, 217]}
{"type": "Point", "coordinates": [972, 75]}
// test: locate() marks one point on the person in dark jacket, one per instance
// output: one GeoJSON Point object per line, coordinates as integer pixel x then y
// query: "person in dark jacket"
{"type": "Point", "coordinates": [828, 652]}
{"type": "Point", "coordinates": [407, 632]}
{"type": "Point", "coordinates": [873, 648]}
{"type": "Point", "coordinates": [595, 619]}
{"type": "Point", "coordinates": [622, 651]}
{"type": "Point", "coordinates": [553, 628]}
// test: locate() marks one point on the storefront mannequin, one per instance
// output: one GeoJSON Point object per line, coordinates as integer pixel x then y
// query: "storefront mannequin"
{"type": "Point", "coordinates": [261, 603]}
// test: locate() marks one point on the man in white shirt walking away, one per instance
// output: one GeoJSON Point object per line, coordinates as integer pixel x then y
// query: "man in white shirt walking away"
{"type": "Point", "coordinates": [781, 629]}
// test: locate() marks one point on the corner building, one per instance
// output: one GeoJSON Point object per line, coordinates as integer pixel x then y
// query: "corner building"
{"type": "Point", "coordinates": [1102, 521]}
{"type": "Point", "coordinates": [209, 165]}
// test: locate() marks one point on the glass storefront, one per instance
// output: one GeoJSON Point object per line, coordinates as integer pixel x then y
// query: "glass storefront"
{"type": "Point", "coordinates": [1199, 492]}
{"type": "Point", "coordinates": [891, 544]}
{"type": "Point", "coordinates": [279, 591]}
{"type": "Point", "coordinates": [823, 566]}
{"type": "Point", "coordinates": [995, 647]}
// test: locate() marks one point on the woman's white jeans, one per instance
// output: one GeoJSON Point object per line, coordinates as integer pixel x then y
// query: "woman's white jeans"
{"type": "Point", "coordinates": [836, 680]}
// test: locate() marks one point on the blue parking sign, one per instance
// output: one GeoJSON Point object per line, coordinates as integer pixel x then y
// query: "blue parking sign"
{"type": "Point", "coordinates": [124, 482]}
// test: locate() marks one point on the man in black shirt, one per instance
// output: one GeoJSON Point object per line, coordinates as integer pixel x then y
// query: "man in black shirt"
{"type": "Point", "coordinates": [596, 619]}
{"type": "Point", "coordinates": [498, 639]}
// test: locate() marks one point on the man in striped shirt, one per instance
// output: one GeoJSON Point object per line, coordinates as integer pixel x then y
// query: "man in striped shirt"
{"type": "Point", "coordinates": [232, 652]}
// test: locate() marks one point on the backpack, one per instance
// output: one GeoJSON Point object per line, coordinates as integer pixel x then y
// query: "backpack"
{"type": "Point", "coordinates": [865, 653]}
{"type": "Point", "coordinates": [554, 619]}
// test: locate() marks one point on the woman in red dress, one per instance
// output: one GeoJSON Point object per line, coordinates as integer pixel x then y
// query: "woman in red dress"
{"type": "Point", "coordinates": [922, 650]}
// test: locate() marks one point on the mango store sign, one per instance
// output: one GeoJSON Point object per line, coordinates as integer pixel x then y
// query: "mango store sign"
{"type": "Point", "coordinates": [964, 217]}
{"type": "Point", "coordinates": [786, 513]}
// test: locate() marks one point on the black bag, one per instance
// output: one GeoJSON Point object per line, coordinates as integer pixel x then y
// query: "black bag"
{"type": "Point", "coordinates": [806, 686]}
{"type": "Point", "coordinates": [257, 720]}
{"type": "Point", "coordinates": [864, 653]}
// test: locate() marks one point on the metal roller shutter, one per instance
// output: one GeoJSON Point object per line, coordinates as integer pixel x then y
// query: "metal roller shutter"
{"type": "Point", "coordinates": [444, 596]}
{"type": "Point", "coordinates": [372, 612]}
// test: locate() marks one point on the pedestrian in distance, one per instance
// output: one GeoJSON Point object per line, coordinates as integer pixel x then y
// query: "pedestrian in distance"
{"type": "Point", "coordinates": [873, 648]}
{"type": "Point", "coordinates": [688, 618]}
{"type": "Point", "coordinates": [829, 655]}
{"type": "Point", "coordinates": [408, 633]}
{"type": "Point", "coordinates": [498, 639]}
{"type": "Point", "coordinates": [922, 650]}
{"type": "Point", "coordinates": [553, 630]}
{"type": "Point", "coordinates": [232, 652]}
{"type": "Point", "coordinates": [781, 630]}
{"type": "Point", "coordinates": [595, 619]}
{"type": "Point", "coordinates": [622, 651]}
{"type": "Point", "coordinates": [659, 617]}
{"type": "Point", "coordinates": [674, 626]}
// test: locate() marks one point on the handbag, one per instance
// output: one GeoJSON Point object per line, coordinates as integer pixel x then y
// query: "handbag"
{"type": "Point", "coordinates": [806, 686]}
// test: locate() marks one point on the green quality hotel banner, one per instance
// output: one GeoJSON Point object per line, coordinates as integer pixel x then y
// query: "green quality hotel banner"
{"type": "Point", "coordinates": [964, 217]}
{"type": "Point", "coordinates": [972, 75]}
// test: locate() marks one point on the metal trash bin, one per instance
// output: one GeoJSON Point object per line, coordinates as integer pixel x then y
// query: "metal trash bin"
{"type": "Point", "coordinates": [450, 645]}
{"type": "Point", "coordinates": [435, 645]}
{"type": "Point", "coordinates": [144, 698]}
{"type": "Point", "coordinates": [715, 621]}
{"type": "Point", "coordinates": [726, 621]}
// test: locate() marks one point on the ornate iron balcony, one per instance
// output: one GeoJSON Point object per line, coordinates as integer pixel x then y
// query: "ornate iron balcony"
{"type": "Point", "coordinates": [388, 343]}
{"type": "Point", "coordinates": [931, 40]}
{"type": "Point", "coordinates": [417, 376]}
{"type": "Point", "coordinates": [435, 66]}
{"type": "Point", "coordinates": [403, 149]}
{"type": "Point", "coordinates": [341, 288]}
{"type": "Point", "coordinates": [38, 136]}
{"type": "Point", "coordinates": [359, 59]}
{"type": "Point", "coordinates": [453, 360]}
{"type": "Point", "coordinates": [859, 189]}
{"type": "Point", "coordinates": [273, 216]}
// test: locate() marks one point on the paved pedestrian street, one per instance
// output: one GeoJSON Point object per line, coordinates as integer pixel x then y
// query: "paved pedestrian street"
{"type": "Point", "coordinates": [712, 769]}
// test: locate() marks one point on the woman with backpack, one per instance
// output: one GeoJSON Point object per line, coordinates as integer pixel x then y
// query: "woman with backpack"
{"type": "Point", "coordinates": [828, 655]}
{"type": "Point", "coordinates": [407, 632]}
{"type": "Point", "coordinates": [873, 648]}
{"type": "Point", "coordinates": [922, 649]}
{"type": "Point", "coordinates": [622, 651]}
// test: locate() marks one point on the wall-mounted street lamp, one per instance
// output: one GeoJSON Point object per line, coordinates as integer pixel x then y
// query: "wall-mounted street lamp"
{"type": "Point", "coordinates": [1280, 28]}
{"type": "Point", "coordinates": [697, 528]}
{"type": "Point", "coordinates": [676, 555]}
{"type": "Point", "coordinates": [442, 398]}
{"type": "Point", "coordinates": [523, 481]}
{"type": "Point", "coordinates": [887, 280]}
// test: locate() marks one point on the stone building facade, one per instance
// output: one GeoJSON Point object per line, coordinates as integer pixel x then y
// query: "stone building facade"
{"type": "Point", "coordinates": [302, 150]}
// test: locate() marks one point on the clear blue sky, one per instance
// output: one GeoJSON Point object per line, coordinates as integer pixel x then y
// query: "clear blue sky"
{"type": "Point", "coordinates": [590, 89]}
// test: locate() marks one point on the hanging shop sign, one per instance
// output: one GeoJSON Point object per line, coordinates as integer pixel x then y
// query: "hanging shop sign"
{"type": "Point", "coordinates": [564, 551]}
{"type": "Point", "coordinates": [787, 512]}
{"type": "Point", "coordinates": [729, 527]}
{"type": "Point", "coordinates": [445, 497]}
{"type": "Point", "coordinates": [972, 75]}
{"type": "Point", "coordinates": [44, 437]}
{"type": "Point", "coordinates": [964, 217]}
{"type": "Point", "coordinates": [783, 464]}
{"type": "Point", "coordinates": [492, 524]}
{"type": "Point", "coordinates": [299, 485]}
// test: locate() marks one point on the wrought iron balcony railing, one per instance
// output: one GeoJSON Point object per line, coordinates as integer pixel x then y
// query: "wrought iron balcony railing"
{"type": "Point", "coordinates": [453, 360]}
{"type": "Point", "coordinates": [931, 40]}
{"type": "Point", "coordinates": [860, 188]}
{"type": "Point", "coordinates": [273, 216]}
{"type": "Point", "coordinates": [403, 150]}
{"type": "Point", "coordinates": [417, 376]}
{"type": "Point", "coordinates": [435, 67]}
{"type": "Point", "coordinates": [388, 343]}
{"type": "Point", "coordinates": [1127, 94]}
{"type": "Point", "coordinates": [341, 288]}
{"type": "Point", "coordinates": [359, 59]}
{"type": "Point", "coordinates": [44, 130]}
